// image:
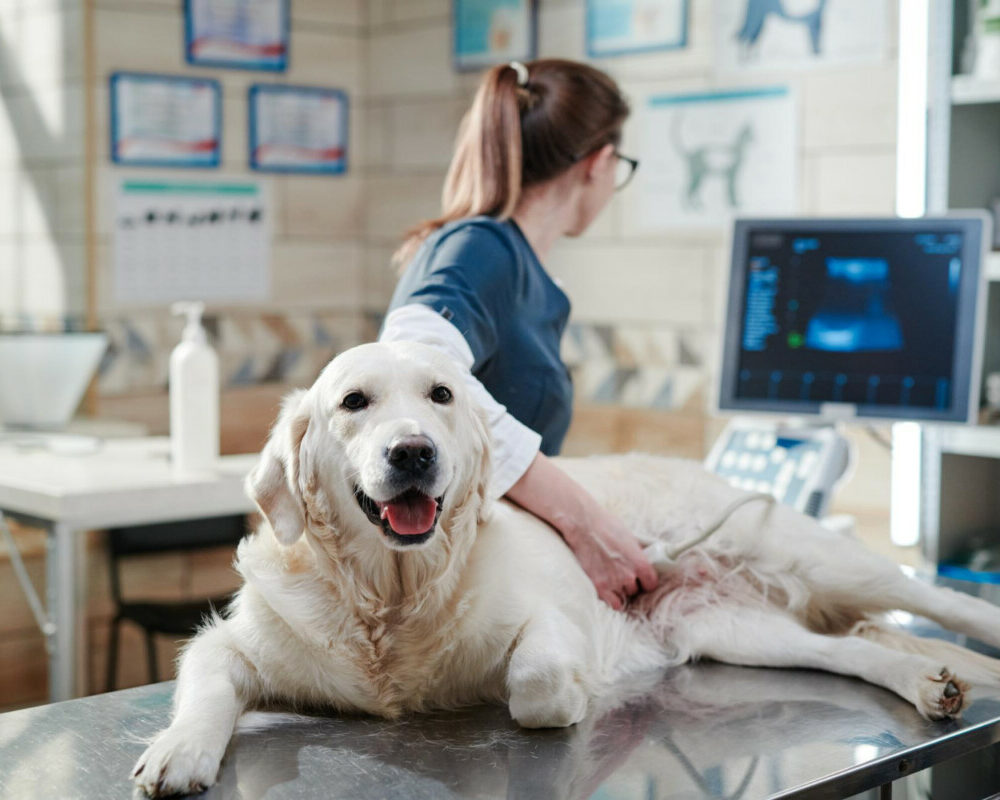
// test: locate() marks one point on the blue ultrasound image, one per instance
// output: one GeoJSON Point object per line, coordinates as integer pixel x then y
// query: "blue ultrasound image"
{"type": "Point", "coordinates": [854, 315]}
{"type": "Point", "coordinates": [850, 317]}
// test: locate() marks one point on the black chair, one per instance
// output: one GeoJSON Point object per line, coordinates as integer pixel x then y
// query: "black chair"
{"type": "Point", "coordinates": [179, 618]}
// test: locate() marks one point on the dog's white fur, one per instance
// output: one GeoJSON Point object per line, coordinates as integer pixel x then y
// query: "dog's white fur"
{"type": "Point", "coordinates": [494, 607]}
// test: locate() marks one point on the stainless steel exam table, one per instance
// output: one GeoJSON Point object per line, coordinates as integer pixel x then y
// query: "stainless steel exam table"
{"type": "Point", "coordinates": [704, 730]}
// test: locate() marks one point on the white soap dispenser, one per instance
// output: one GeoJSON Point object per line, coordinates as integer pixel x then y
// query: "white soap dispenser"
{"type": "Point", "coordinates": [194, 397]}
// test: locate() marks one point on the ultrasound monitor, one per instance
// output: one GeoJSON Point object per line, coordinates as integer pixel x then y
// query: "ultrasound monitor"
{"type": "Point", "coordinates": [872, 318]}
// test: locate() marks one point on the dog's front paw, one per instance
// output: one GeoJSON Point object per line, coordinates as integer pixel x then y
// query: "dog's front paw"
{"type": "Point", "coordinates": [547, 697]}
{"type": "Point", "coordinates": [176, 763]}
{"type": "Point", "coordinates": [942, 696]}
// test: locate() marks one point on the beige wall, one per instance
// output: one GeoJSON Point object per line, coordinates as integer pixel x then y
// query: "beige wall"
{"type": "Point", "coordinates": [316, 221]}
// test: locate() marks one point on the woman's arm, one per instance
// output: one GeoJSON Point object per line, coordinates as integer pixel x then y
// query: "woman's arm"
{"type": "Point", "coordinates": [608, 552]}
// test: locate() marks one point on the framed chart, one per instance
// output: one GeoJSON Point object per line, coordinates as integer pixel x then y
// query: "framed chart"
{"type": "Point", "coordinates": [298, 129]}
{"type": "Point", "coordinates": [241, 34]}
{"type": "Point", "coordinates": [165, 120]}
{"type": "Point", "coordinates": [621, 27]}
{"type": "Point", "coordinates": [488, 32]}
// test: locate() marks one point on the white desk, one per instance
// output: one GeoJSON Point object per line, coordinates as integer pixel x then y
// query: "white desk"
{"type": "Point", "coordinates": [125, 482]}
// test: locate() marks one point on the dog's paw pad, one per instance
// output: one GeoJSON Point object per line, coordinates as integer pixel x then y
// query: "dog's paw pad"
{"type": "Point", "coordinates": [171, 766]}
{"type": "Point", "coordinates": [943, 696]}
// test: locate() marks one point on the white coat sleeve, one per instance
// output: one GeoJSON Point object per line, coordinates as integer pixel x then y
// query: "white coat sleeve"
{"type": "Point", "coordinates": [514, 445]}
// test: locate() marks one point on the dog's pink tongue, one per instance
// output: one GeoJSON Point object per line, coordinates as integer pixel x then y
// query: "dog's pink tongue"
{"type": "Point", "coordinates": [412, 515]}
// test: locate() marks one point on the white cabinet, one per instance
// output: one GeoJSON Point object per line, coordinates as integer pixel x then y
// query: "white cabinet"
{"type": "Point", "coordinates": [952, 491]}
{"type": "Point", "coordinates": [963, 141]}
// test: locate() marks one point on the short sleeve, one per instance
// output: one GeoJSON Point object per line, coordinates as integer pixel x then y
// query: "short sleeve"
{"type": "Point", "coordinates": [469, 280]}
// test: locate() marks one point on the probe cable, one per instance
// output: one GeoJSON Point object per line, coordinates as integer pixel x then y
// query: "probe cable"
{"type": "Point", "coordinates": [663, 557]}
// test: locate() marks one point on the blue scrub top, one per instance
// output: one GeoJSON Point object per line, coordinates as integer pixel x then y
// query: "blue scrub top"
{"type": "Point", "coordinates": [482, 275]}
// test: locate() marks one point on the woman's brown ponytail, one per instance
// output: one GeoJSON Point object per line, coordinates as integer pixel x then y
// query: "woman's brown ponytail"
{"type": "Point", "coordinates": [485, 172]}
{"type": "Point", "coordinates": [519, 134]}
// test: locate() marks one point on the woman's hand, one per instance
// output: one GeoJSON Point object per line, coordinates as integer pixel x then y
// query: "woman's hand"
{"type": "Point", "coordinates": [608, 552]}
{"type": "Point", "coordinates": [610, 555]}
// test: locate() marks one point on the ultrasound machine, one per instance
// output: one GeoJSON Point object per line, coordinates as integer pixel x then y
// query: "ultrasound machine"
{"type": "Point", "coordinates": [830, 320]}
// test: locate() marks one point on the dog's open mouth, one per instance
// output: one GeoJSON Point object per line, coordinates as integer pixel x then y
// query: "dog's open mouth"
{"type": "Point", "coordinates": [408, 518]}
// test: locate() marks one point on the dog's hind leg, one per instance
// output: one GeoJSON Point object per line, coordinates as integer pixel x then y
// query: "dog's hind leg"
{"type": "Point", "coordinates": [855, 579]}
{"type": "Point", "coordinates": [953, 610]}
{"type": "Point", "coordinates": [845, 581]}
{"type": "Point", "coordinates": [185, 757]}
{"type": "Point", "coordinates": [765, 637]}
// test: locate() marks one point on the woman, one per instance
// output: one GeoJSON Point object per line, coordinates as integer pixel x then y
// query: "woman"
{"type": "Point", "coordinates": [536, 159]}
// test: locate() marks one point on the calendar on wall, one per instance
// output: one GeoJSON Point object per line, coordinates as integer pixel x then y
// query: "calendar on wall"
{"type": "Point", "coordinates": [191, 240]}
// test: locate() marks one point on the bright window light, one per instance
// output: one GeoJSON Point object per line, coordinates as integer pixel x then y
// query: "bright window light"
{"type": "Point", "coordinates": [904, 521]}
{"type": "Point", "coordinates": [911, 120]}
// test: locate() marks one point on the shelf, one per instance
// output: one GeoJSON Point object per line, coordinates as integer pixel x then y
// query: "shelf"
{"type": "Point", "coordinates": [968, 90]}
{"type": "Point", "coordinates": [993, 266]}
{"type": "Point", "coordinates": [964, 440]}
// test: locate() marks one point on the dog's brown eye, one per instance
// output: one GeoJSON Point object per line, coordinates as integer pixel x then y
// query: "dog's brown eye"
{"type": "Point", "coordinates": [354, 401]}
{"type": "Point", "coordinates": [441, 394]}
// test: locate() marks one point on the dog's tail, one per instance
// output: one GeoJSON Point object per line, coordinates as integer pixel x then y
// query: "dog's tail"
{"type": "Point", "coordinates": [970, 666]}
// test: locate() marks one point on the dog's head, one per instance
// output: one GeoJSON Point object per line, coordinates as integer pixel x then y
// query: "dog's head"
{"type": "Point", "coordinates": [387, 444]}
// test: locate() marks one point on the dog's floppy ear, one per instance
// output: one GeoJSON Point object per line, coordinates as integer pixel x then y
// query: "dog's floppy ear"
{"type": "Point", "coordinates": [273, 483]}
{"type": "Point", "coordinates": [482, 453]}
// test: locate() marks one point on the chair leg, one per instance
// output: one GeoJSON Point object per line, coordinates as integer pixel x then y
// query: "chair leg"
{"type": "Point", "coordinates": [112, 670]}
{"type": "Point", "coordinates": [154, 673]}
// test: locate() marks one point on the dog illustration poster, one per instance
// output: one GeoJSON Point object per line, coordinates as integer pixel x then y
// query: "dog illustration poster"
{"type": "Point", "coordinates": [783, 34]}
{"type": "Point", "coordinates": [709, 156]}
{"type": "Point", "coordinates": [245, 34]}
{"type": "Point", "coordinates": [617, 27]}
{"type": "Point", "coordinates": [488, 32]}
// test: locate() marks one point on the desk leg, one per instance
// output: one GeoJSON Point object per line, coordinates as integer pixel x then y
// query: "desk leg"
{"type": "Point", "coordinates": [65, 589]}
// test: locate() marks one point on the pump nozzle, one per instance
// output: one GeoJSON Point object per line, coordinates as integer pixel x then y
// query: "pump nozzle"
{"type": "Point", "coordinates": [193, 310]}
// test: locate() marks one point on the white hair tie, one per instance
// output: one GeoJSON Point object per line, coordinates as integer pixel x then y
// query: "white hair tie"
{"type": "Point", "coordinates": [522, 72]}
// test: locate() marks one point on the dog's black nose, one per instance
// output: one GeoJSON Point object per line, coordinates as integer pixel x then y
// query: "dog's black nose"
{"type": "Point", "coordinates": [414, 454]}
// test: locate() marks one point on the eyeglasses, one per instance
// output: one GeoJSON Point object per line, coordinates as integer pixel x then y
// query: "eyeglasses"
{"type": "Point", "coordinates": [624, 170]}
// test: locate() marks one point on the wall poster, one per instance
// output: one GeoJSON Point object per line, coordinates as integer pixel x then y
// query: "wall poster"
{"type": "Point", "coordinates": [620, 27]}
{"type": "Point", "coordinates": [709, 156]}
{"type": "Point", "coordinates": [796, 34]}
{"type": "Point", "coordinates": [191, 240]}
{"type": "Point", "coordinates": [244, 34]}
{"type": "Point", "coordinates": [165, 120]}
{"type": "Point", "coordinates": [489, 32]}
{"type": "Point", "coordinates": [297, 129]}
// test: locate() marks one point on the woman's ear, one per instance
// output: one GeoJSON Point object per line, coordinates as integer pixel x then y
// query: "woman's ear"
{"type": "Point", "coordinates": [598, 162]}
{"type": "Point", "coordinates": [273, 483]}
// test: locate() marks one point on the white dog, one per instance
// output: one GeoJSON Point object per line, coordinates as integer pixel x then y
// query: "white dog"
{"type": "Point", "coordinates": [383, 582]}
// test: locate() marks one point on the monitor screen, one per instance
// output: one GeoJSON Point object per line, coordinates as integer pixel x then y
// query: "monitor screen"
{"type": "Point", "coordinates": [867, 318]}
